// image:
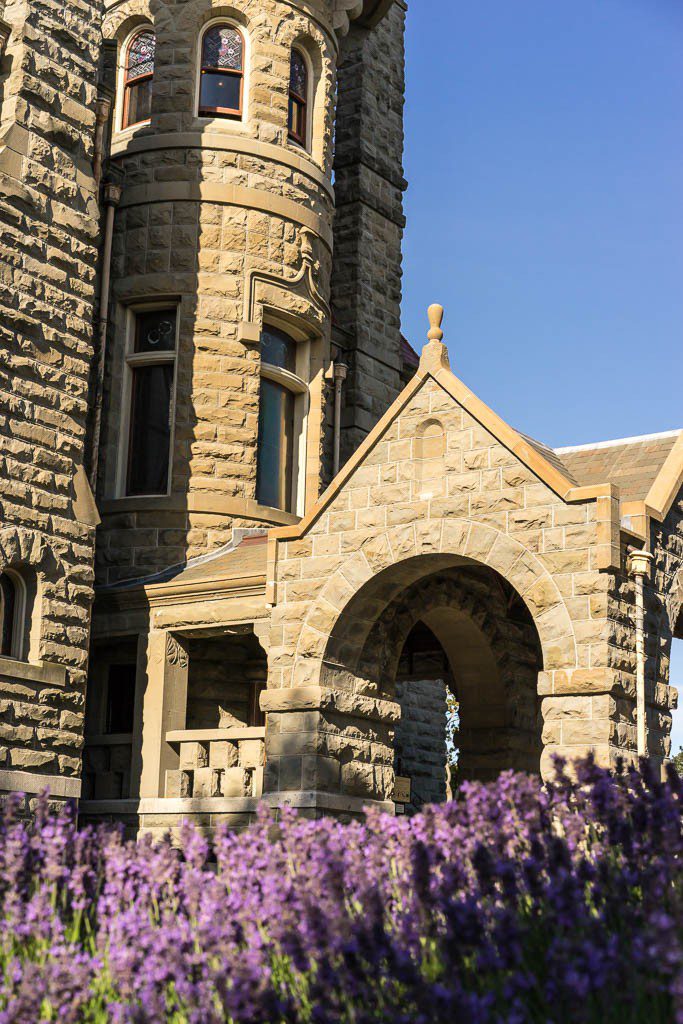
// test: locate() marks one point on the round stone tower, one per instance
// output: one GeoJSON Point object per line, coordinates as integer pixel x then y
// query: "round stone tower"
{"type": "Point", "coordinates": [218, 336]}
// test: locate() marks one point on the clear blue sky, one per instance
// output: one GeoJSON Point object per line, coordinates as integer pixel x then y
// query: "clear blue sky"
{"type": "Point", "coordinates": [544, 153]}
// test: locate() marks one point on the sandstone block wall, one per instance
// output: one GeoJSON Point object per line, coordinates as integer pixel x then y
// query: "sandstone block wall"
{"type": "Point", "coordinates": [415, 505]}
{"type": "Point", "coordinates": [232, 221]}
{"type": "Point", "coordinates": [49, 230]}
{"type": "Point", "coordinates": [369, 221]}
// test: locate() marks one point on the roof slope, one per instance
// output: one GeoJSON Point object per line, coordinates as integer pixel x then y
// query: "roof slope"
{"type": "Point", "coordinates": [632, 464]}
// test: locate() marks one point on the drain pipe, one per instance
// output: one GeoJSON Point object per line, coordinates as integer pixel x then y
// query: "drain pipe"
{"type": "Point", "coordinates": [340, 372]}
{"type": "Point", "coordinates": [640, 563]}
{"type": "Point", "coordinates": [112, 196]}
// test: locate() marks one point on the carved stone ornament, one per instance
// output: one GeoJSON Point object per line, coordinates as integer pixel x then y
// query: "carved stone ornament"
{"type": "Point", "coordinates": [175, 654]}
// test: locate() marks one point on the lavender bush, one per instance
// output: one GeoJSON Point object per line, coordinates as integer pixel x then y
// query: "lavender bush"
{"type": "Point", "coordinates": [516, 903]}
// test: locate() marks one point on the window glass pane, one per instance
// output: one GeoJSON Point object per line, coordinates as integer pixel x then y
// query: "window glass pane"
{"type": "Point", "coordinates": [150, 429]}
{"type": "Point", "coordinates": [220, 91]}
{"type": "Point", "coordinates": [7, 610]}
{"type": "Point", "coordinates": [139, 102]}
{"type": "Point", "coordinates": [222, 48]}
{"type": "Point", "coordinates": [277, 349]}
{"type": "Point", "coordinates": [141, 54]}
{"type": "Point", "coordinates": [298, 75]}
{"type": "Point", "coordinates": [155, 331]}
{"type": "Point", "coordinates": [275, 446]}
{"type": "Point", "coordinates": [120, 699]}
{"type": "Point", "coordinates": [297, 119]}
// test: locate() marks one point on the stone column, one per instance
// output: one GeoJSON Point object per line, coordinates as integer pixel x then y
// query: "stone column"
{"type": "Point", "coordinates": [329, 750]}
{"type": "Point", "coordinates": [164, 709]}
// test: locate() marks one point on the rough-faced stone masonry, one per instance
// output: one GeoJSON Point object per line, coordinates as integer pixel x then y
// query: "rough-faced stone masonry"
{"type": "Point", "coordinates": [49, 228]}
{"type": "Point", "coordinates": [240, 652]}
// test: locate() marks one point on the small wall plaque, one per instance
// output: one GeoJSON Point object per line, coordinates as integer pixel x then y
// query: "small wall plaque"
{"type": "Point", "coordinates": [402, 787]}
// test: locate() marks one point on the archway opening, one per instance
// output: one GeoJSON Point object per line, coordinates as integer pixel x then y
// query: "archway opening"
{"type": "Point", "coordinates": [457, 651]}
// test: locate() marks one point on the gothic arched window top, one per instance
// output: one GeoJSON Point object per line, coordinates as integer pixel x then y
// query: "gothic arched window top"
{"type": "Point", "coordinates": [298, 97]}
{"type": "Point", "coordinates": [138, 77]}
{"type": "Point", "coordinates": [221, 87]}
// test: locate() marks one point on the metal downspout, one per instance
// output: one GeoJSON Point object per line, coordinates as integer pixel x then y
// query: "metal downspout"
{"type": "Point", "coordinates": [112, 195]}
{"type": "Point", "coordinates": [340, 372]}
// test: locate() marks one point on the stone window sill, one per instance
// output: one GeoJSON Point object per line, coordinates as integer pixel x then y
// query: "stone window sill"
{"type": "Point", "coordinates": [34, 672]}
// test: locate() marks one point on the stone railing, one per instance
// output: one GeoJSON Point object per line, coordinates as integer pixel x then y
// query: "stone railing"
{"type": "Point", "coordinates": [217, 763]}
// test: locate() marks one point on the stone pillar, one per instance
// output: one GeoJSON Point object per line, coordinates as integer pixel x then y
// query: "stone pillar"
{"type": "Point", "coordinates": [164, 707]}
{"type": "Point", "coordinates": [369, 221]}
{"type": "Point", "coordinates": [329, 749]}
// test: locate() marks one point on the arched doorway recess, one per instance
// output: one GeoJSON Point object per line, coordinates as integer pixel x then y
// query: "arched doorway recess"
{"type": "Point", "coordinates": [486, 651]}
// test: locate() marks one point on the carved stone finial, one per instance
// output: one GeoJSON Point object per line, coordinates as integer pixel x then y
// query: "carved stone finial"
{"type": "Point", "coordinates": [435, 354]}
{"type": "Point", "coordinates": [435, 314]}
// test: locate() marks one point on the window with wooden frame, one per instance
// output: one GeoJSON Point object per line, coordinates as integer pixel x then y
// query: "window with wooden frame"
{"type": "Point", "coordinates": [221, 79]}
{"type": "Point", "coordinates": [138, 75]}
{"type": "Point", "coordinates": [282, 412]}
{"type": "Point", "coordinates": [298, 98]}
{"type": "Point", "coordinates": [150, 365]}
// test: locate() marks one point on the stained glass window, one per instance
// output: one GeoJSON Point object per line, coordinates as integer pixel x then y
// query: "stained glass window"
{"type": "Point", "coordinates": [138, 78]}
{"type": "Point", "coordinates": [223, 48]}
{"type": "Point", "coordinates": [298, 97]}
{"type": "Point", "coordinates": [141, 55]}
{"type": "Point", "coordinates": [222, 73]}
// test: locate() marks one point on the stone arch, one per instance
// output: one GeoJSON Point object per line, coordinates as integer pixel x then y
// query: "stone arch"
{"type": "Point", "coordinates": [302, 33]}
{"type": "Point", "coordinates": [197, 13]}
{"type": "Point", "coordinates": [129, 16]}
{"type": "Point", "coordinates": [20, 546]}
{"type": "Point", "coordinates": [395, 558]}
{"type": "Point", "coordinates": [27, 553]}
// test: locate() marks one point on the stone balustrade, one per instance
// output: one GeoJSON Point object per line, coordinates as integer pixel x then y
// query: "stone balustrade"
{"type": "Point", "coordinates": [217, 763]}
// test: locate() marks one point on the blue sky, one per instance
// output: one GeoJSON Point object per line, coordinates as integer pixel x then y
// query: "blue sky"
{"type": "Point", "coordinates": [544, 153]}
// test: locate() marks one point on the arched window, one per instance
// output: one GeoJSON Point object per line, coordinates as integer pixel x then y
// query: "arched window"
{"type": "Point", "coordinates": [138, 77]}
{"type": "Point", "coordinates": [298, 98]}
{"type": "Point", "coordinates": [281, 419]}
{"type": "Point", "coordinates": [12, 612]}
{"type": "Point", "coordinates": [221, 82]}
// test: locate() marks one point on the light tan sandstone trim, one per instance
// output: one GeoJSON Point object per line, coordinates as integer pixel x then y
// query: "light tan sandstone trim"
{"type": "Point", "coordinates": [44, 672]}
{"type": "Point", "coordinates": [668, 482]}
{"type": "Point", "coordinates": [227, 195]}
{"type": "Point", "coordinates": [206, 504]}
{"type": "Point", "coordinates": [315, 800]}
{"type": "Point", "coordinates": [555, 480]}
{"type": "Point", "coordinates": [242, 145]}
{"type": "Point", "coordinates": [28, 782]}
{"type": "Point", "coordinates": [324, 698]}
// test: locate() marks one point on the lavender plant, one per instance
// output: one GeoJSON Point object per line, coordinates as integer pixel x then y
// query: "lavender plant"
{"type": "Point", "coordinates": [516, 903]}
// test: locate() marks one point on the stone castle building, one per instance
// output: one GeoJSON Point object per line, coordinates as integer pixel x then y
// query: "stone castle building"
{"type": "Point", "coordinates": [248, 540]}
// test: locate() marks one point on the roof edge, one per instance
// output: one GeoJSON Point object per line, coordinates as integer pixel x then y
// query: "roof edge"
{"type": "Point", "coordinates": [618, 441]}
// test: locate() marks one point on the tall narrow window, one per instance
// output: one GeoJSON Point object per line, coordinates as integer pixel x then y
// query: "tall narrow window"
{"type": "Point", "coordinates": [138, 77]}
{"type": "Point", "coordinates": [298, 98]}
{"type": "Point", "coordinates": [221, 84]}
{"type": "Point", "coordinates": [151, 365]}
{"type": "Point", "coordinates": [280, 421]}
